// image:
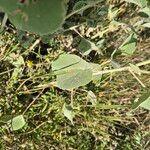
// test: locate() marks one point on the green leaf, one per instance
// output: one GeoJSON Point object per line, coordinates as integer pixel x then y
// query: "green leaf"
{"type": "Point", "coordinates": [5, 119]}
{"type": "Point", "coordinates": [85, 46]}
{"type": "Point", "coordinates": [40, 17]}
{"type": "Point", "coordinates": [95, 68]}
{"type": "Point", "coordinates": [147, 25]}
{"type": "Point", "coordinates": [146, 104]}
{"type": "Point", "coordinates": [17, 122]}
{"type": "Point", "coordinates": [74, 78]}
{"type": "Point", "coordinates": [78, 5]}
{"type": "Point", "coordinates": [91, 97]}
{"type": "Point", "coordinates": [143, 101]}
{"type": "Point", "coordinates": [72, 71]}
{"type": "Point", "coordinates": [145, 10]}
{"type": "Point", "coordinates": [69, 62]}
{"type": "Point", "coordinates": [15, 59]}
{"type": "Point", "coordinates": [129, 45]}
{"type": "Point", "coordinates": [68, 112]}
{"type": "Point", "coordinates": [141, 3]}
{"type": "Point", "coordinates": [115, 64]}
{"type": "Point", "coordinates": [135, 69]}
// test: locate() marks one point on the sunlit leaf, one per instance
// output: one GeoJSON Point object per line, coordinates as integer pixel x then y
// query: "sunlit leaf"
{"type": "Point", "coordinates": [74, 78]}
{"type": "Point", "coordinates": [147, 25]}
{"type": "Point", "coordinates": [129, 45]}
{"type": "Point", "coordinates": [95, 68]}
{"type": "Point", "coordinates": [135, 69]}
{"type": "Point", "coordinates": [143, 101]}
{"type": "Point", "coordinates": [78, 5]}
{"type": "Point", "coordinates": [17, 122]}
{"type": "Point", "coordinates": [145, 10]}
{"type": "Point", "coordinates": [72, 71]}
{"type": "Point", "coordinates": [69, 62]}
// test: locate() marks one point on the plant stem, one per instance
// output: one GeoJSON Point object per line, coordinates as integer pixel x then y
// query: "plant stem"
{"type": "Point", "coordinates": [33, 101]}
{"type": "Point", "coordinates": [82, 9]}
{"type": "Point", "coordinates": [137, 78]}
{"type": "Point", "coordinates": [122, 69]}
{"type": "Point", "coordinates": [2, 73]}
{"type": "Point", "coordinates": [72, 93]}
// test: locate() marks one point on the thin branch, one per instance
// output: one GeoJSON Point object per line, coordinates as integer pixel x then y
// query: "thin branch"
{"type": "Point", "coordinates": [137, 78]}
{"type": "Point", "coordinates": [82, 9]}
{"type": "Point", "coordinates": [33, 101]}
{"type": "Point", "coordinates": [122, 69]}
{"type": "Point", "coordinates": [72, 93]}
{"type": "Point", "coordinates": [6, 71]}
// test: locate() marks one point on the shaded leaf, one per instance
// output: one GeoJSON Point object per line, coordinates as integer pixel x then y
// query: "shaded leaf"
{"type": "Point", "coordinates": [5, 119]}
{"type": "Point", "coordinates": [141, 3]}
{"type": "Point", "coordinates": [91, 97]}
{"type": "Point", "coordinates": [85, 46]}
{"type": "Point", "coordinates": [68, 112]}
{"type": "Point", "coordinates": [78, 5]}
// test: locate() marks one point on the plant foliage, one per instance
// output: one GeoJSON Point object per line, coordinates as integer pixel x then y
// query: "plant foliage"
{"type": "Point", "coordinates": [36, 16]}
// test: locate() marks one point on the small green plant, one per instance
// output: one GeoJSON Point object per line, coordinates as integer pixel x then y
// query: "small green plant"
{"type": "Point", "coordinates": [74, 89]}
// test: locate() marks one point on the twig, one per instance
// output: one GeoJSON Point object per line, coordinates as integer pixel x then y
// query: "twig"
{"type": "Point", "coordinates": [72, 93]}
{"type": "Point", "coordinates": [6, 71]}
{"type": "Point", "coordinates": [121, 69]}
{"type": "Point", "coordinates": [37, 127]}
{"type": "Point", "coordinates": [22, 84]}
{"type": "Point", "coordinates": [137, 78]}
{"type": "Point", "coordinates": [33, 101]}
{"type": "Point", "coordinates": [34, 44]}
